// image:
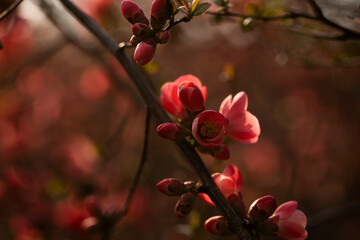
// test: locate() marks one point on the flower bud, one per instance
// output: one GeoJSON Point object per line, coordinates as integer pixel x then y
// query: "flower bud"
{"type": "Point", "coordinates": [221, 153]}
{"type": "Point", "coordinates": [262, 208]}
{"type": "Point", "coordinates": [133, 13]}
{"type": "Point", "coordinates": [191, 96]}
{"type": "Point", "coordinates": [184, 204]}
{"type": "Point", "coordinates": [159, 12]}
{"type": "Point", "coordinates": [144, 52]}
{"type": "Point", "coordinates": [217, 225]}
{"type": "Point", "coordinates": [171, 187]}
{"type": "Point", "coordinates": [168, 131]}
{"type": "Point", "coordinates": [141, 30]}
{"type": "Point", "coordinates": [162, 37]}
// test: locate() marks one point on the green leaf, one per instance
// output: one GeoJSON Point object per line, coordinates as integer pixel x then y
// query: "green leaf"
{"type": "Point", "coordinates": [201, 8]}
{"type": "Point", "coordinates": [218, 2]}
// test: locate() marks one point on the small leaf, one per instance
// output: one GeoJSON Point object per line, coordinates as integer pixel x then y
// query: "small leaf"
{"type": "Point", "coordinates": [202, 7]}
{"type": "Point", "coordinates": [218, 2]}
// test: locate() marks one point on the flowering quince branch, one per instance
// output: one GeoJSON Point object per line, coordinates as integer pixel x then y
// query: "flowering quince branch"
{"type": "Point", "coordinates": [150, 98]}
{"type": "Point", "coordinates": [262, 218]}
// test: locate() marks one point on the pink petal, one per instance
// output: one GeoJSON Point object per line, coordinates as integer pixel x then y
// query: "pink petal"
{"type": "Point", "coordinates": [233, 172]}
{"type": "Point", "coordinates": [286, 209]}
{"type": "Point", "coordinates": [170, 100]}
{"type": "Point", "coordinates": [290, 230]}
{"type": "Point", "coordinates": [240, 101]}
{"type": "Point", "coordinates": [206, 199]}
{"type": "Point", "coordinates": [298, 217]}
{"type": "Point", "coordinates": [243, 127]}
{"type": "Point", "coordinates": [225, 105]}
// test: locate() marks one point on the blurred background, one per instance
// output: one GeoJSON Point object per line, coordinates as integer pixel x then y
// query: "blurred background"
{"type": "Point", "coordinates": [72, 123]}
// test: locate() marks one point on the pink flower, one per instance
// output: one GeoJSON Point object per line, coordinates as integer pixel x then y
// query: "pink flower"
{"type": "Point", "coordinates": [290, 221]}
{"type": "Point", "coordinates": [209, 128]}
{"type": "Point", "coordinates": [243, 126]}
{"type": "Point", "coordinates": [229, 182]}
{"type": "Point", "coordinates": [144, 52]}
{"type": "Point", "coordinates": [191, 96]}
{"type": "Point", "coordinates": [169, 95]}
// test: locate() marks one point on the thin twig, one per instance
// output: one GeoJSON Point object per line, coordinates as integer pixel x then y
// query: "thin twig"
{"type": "Point", "coordinates": [172, 23]}
{"type": "Point", "coordinates": [11, 8]}
{"type": "Point", "coordinates": [141, 164]}
{"type": "Point", "coordinates": [150, 98]}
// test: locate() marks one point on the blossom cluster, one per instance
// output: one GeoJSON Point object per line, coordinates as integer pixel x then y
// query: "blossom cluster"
{"type": "Point", "coordinates": [185, 98]}
{"type": "Point", "coordinates": [263, 217]}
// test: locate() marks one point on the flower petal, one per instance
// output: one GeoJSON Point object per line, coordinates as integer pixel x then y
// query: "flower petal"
{"type": "Point", "coordinates": [243, 127]}
{"type": "Point", "coordinates": [291, 230]}
{"type": "Point", "coordinates": [286, 209]}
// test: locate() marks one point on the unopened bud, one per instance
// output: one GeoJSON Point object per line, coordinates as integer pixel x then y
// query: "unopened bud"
{"type": "Point", "coordinates": [133, 13]}
{"type": "Point", "coordinates": [162, 37]}
{"type": "Point", "coordinates": [171, 187]}
{"type": "Point", "coordinates": [160, 11]}
{"type": "Point", "coordinates": [144, 52]}
{"type": "Point", "coordinates": [221, 153]}
{"type": "Point", "coordinates": [262, 208]}
{"type": "Point", "coordinates": [217, 225]}
{"type": "Point", "coordinates": [191, 96]}
{"type": "Point", "coordinates": [169, 131]}
{"type": "Point", "coordinates": [141, 30]}
{"type": "Point", "coordinates": [184, 204]}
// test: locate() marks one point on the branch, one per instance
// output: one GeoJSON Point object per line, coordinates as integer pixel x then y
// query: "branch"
{"type": "Point", "coordinates": [150, 98]}
{"type": "Point", "coordinates": [11, 8]}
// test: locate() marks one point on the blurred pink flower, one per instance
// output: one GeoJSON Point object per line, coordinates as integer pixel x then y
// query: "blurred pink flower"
{"type": "Point", "coordinates": [243, 126]}
{"type": "Point", "coordinates": [209, 128]}
{"type": "Point", "coordinates": [290, 221]}
{"type": "Point", "coordinates": [169, 95]}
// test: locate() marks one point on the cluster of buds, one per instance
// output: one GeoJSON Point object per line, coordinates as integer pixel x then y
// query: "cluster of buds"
{"type": "Point", "coordinates": [263, 216]}
{"type": "Point", "coordinates": [187, 192]}
{"type": "Point", "coordinates": [185, 98]}
{"type": "Point", "coordinates": [146, 34]}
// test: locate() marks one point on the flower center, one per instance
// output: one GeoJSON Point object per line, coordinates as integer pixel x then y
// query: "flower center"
{"type": "Point", "coordinates": [208, 130]}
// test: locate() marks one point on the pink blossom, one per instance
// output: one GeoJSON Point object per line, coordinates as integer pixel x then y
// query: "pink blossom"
{"type": "Point", "coordinates": [229, 182]}
{"type": "Point", "coordinates": [243, 126]}
{"type": "Point", "coordinates": [169, 95]}
{"type": "Point", "coordinates": [209, 128]}
{"type": "Point", "coordinates": [290, 221]}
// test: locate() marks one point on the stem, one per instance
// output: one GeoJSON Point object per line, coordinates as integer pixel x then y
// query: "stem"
{"type": "Point", "coordinates": [11, 8]}
{"type": "Point", "coordinates": [150, 98]}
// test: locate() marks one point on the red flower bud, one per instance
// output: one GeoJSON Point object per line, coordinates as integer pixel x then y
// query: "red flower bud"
{"type": "Point", "coordinates": [141, 30]}
{"type": "Point", "coordinates": [221, 153]}
{"type": "Point", "coordinates": [133, 13]}
{"type": "Point", "coordinates": [217, 225]}
{"type": "Point", "coordinates": [184, 204]}
{"type": "Point", "coordinates": [191, 96]}
{"type": "Point", "coordinates": [162, 37]}
{"type": "Point", "coordinates": [168, 131]}
{"type": "Point", "coordinates": [171, 187]}
{"type": "Point", "coordinates": [262, 208]}
{"type": "Point", "coordinates": [160, 11]}
{"type": "Point", "coordinates": [144, 52]}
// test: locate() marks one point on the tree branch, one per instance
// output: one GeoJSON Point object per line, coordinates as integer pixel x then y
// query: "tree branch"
{"type": "Point", "coordinates": [150, 98]}
{"type": "Point", "coordinates": [9, 10]}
